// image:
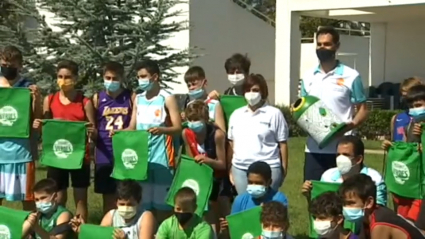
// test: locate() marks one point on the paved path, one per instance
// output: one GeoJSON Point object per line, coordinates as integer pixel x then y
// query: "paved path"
{"type": "Point", "coordinates": [374, 151]}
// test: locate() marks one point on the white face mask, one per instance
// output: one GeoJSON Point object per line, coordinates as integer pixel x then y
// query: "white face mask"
{"type": "Point", "coordinates": [253, 98]}
{"type": "Point", "coordinates": [236, 79]}
{"type": "Point", "coordinates": [127, 212]}
{"type": "Point", "coordinates": [323, 228]}
{"type": "Point", "coordinates": [344, 164]}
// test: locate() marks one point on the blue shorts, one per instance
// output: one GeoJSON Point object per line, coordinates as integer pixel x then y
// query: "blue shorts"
{"type": "Point", "coordinates": [155, 188]}
{"type": "Point", "coordinates": [16, 181]}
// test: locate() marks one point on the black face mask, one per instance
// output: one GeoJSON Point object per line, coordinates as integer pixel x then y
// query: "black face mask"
{"type": "Point", "coordinates": [183, 217]}
{"type": "Point", "coordinates": [9, 73]}
{"type": "Point", "coordinates": [325, 55]}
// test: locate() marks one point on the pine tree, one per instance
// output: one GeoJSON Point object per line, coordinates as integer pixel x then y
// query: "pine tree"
{"type": "Point", "coordinates": [128, 31]}
{"type": "Point", "coordinates": [17, 18]}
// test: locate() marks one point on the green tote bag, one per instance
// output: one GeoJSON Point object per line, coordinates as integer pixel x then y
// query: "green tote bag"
{"type": "Point", "coordinates": [15, 112]}
{"type": "Point", "coordinates": [403, 170]}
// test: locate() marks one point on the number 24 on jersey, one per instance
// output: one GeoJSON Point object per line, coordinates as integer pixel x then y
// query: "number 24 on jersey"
{"type": "Point", "coordinates": [114, 123]}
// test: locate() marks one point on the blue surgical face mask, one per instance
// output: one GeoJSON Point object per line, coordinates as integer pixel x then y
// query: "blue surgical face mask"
{"type": "Point", "coordinates": [272, 234]}
{"type": "Point", "coordinates": [111, 86]}
{"type": "Point", "coordinates": [196, 94]}
{"type": "Point", "coordinates": [145, 84]}
{"type": "Point", "coordinates": [256, 191]}
{"type": "Point", "coordinates": [44, 207]}
{"type": "Point", "coordinates": [196, 126]}
{"type": "Point", "coordinates": [416, 111]}
{"type": "Point", "coordinates": [353, 214]}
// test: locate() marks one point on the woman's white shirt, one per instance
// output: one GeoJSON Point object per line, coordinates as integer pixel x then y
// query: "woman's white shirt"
{"type": "Point", "coordinates": [256, 135]}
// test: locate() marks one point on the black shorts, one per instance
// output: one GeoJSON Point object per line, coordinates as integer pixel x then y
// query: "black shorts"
{"type": "Point", "coordinates": [227, 189]}
{"type": "Point", "coordinates": [80, 178]}
{"type": "Point", "coordinates": [316, 164]}
{"type": "Point", "coordinates": [215, 191]}
{"type": "Point", "coordinates": [103, 182]}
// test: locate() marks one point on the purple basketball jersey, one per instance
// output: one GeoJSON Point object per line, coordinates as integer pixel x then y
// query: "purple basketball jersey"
{"type": "Point", "coordinates": [112, 114]}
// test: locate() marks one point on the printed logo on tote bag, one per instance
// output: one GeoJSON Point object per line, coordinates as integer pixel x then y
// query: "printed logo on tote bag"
{"type": "Point", "coordinates": [4, 232]}
{"type": "Point", "coordinates": [247, 236]}
{"type": "Point", "coordinates": [400, 171]}
{"type": "Point", "coordinates": [8, 115]}
{"type": "Point", "coordinates": [129, 158]}
{"type": "Point", "coordinates": [190, 183]}
{"type": "Point", "coordinates": [62, 148]}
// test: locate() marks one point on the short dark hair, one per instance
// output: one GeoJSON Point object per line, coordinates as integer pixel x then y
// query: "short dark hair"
{"type": "Point", "coordinates": [185, 197]}
{"type": "Point", "coordinates": [72, 66]}
{"type": "Point", "coordinates": [328, 30]}
{"type": "Point", "coordinates": [274, 214]}
{"type": "Point", "coordinates": [357, 143]}
{"type": "Point", "coordinates": [151, 66]}
{"type": "Point", "coordinates": [194, 73]}
{"type": "Point", "coordinates": [256, 79]}
{"type": "Point", "coordinates": [11, 54]}
{"type": "Point", "coordinates": [47, 185]}
{"type": "Point", "coordinates": [415, 93]}
{"type": "Point", "coordinates": [260, 168]}
{"type": "Point", "coordinates": [360, 185]}
{"type": "Point", "coordinates": [328, 204]}
{"type": "Point", "coordinates": [128, 189]}
{"type": "Point", "coordinates": [237, 62]}
{"type": "Point", "coordinates": [114, 67]}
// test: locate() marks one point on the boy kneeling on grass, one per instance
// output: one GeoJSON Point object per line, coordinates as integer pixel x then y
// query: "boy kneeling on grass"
{"type": "Point", "coordinates": [185, 224]}
{"type": "Point", "coordinates": [51, 220]}
{"type": "Point", "coordinates": [326, 209]}
{"type": "Point", "coordinates": [130, 221]}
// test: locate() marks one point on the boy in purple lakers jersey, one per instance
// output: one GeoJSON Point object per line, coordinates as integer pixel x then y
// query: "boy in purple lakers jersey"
{"type": "Point", "coordinates": [113, 112]}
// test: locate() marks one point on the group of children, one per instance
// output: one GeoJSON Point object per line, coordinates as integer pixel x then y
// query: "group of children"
{"type": "Point", "coordinates": [134, 208]}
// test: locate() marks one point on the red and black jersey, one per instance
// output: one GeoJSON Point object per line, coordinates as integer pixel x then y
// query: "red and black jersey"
{"type": "Point", "coordinates": [383, 216]}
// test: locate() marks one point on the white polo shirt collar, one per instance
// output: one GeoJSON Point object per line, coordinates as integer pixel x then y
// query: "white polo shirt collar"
{"type": "Point", "coordinates": [262, 109]}
{"type": "Point", "coordinates": [338, 70]}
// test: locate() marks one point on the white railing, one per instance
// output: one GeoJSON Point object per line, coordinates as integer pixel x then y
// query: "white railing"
{"type": "Point", "coordinates": [249, 7]}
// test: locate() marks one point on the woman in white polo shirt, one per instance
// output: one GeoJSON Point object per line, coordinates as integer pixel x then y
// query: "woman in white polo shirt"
{"type": "Point", "coordinates": [258, 132]}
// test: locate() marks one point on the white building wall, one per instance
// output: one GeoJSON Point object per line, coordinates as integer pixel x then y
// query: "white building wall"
{"type": "Point", "coordinates": [220, 28]}
{"type": "Point", "coordinates": [405, 51]}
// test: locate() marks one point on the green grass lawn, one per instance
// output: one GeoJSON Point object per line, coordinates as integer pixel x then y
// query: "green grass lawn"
{"type": "Point", "coordinates": [291, 187]}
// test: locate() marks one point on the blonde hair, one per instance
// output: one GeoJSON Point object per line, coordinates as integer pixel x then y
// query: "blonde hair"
{"type": "Point", "coordinates": [409, 83]}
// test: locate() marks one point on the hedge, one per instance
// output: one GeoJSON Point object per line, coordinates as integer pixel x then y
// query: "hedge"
{"type": "Point", "coordinates": [377, 126]}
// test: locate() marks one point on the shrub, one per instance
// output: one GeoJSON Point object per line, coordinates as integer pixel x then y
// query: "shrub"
{"type": "Point", "coordinates": [376, 126]}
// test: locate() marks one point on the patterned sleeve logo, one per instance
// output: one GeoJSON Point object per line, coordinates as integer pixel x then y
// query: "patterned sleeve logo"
{"type": "Point", "coordinates": [190, 183]}
{"type": "Point", "coordinates": [62, 148]}
{"type": "Point", "coordinates": [5, 232]}
{"type": "Point", "coordinates": [129, 158]}
{"type": "Point", "coordinates": [400, 171]}
{"type": "Point", "coordinates": [8, 115]}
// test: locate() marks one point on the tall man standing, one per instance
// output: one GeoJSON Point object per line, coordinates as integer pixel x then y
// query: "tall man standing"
{"type": "Point", "coordinates": [341, 89]}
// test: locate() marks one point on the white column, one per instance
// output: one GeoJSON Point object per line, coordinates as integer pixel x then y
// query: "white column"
{"type": "Point", "coordinates": [378, 32]}
{"type": "Point", "coordinates": [288, 53]}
